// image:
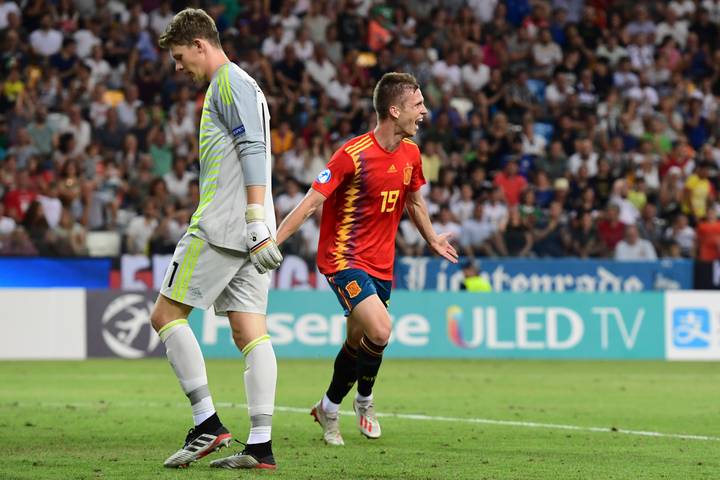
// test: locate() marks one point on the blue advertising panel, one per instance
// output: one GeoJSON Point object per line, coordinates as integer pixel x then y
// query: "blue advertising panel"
{"type": "Point", "coordinates": [546, 275]}
{"type": "Point", "coordinates": [307, 324]}
{"type": "Point", "coordinates": [55, 272]}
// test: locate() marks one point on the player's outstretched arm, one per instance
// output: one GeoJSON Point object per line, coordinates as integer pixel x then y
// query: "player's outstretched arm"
{"type": "Point", "coordinates": [299, 214]}
{"type": "Point", "coordinates": [419, 215]}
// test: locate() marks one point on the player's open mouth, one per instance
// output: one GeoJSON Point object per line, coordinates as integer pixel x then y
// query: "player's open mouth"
{"type": "Point", "coordinates": [418, 121]}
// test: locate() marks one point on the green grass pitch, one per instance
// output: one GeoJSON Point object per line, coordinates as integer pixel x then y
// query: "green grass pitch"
{"type": "Point", "coordinates": [117, 419]}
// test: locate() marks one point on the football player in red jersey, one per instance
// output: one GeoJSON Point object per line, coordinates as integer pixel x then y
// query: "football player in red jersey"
{"type": "Point", "coordinates": [366, 186]}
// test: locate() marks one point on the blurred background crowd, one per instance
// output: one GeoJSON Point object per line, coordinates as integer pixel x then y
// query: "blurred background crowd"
{"type": "Point", "coordinates": [557, 128]}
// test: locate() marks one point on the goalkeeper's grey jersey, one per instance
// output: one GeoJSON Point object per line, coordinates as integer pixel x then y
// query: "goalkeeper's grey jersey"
{"type": "Point", "coordinates": [234, 133]}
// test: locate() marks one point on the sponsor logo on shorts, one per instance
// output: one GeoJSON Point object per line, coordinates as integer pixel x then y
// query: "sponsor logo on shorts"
{"type": "Point", "coordinates": [324, 176]}
{"type": "Point", "coordinates": [353, 289]}
{"type": "Point", "coordinates": [237, 131]}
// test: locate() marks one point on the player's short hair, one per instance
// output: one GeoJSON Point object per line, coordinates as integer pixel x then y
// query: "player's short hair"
{"type": "Point", "coordinates": [392, 89]}
{"type": "Point", "coordinates": [188, 25]}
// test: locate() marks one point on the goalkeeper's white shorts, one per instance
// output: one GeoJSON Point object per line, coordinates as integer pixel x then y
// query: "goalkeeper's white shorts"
{"type": "Point", "coordinates": [201, 274]}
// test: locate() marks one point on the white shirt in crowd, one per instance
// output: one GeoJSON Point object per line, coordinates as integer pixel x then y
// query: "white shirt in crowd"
{"type": "Point", "coordinates": [46, 42]}
{"type": "Point", "coordinates": [52, 209]}
{"type": "Point", "coordinates": [713, 8]}
{"type": "Point", "coordinates": [475, 78]}
{"type": "Point", "coordinates": [496, 213]}
{"type": "Point", "coordinates": [285, 203]}
{"type": "Point", "coordinates": [99, 70]}
{"type": "Point", "coordinates": [159, 20]}
{"type": "Point", "coordinates": [321, 73]}
{"type": "Point", "coordinates": [629, 213]}
{"type": "Point", "coordinates": [410, 233]}
{"type": "Point", "coordinates": [555, 96]}
{"type": "Point", "coordinates": [678, 31]}
{"type": "Point", "coordinates": [450, 76]}
{"type": "Point", "coordinates": [273, 49]}
{"type": "Point", "coordinates": [85, 40]}
{"type": "Point", "coordinates": [82, 134]}
{"type": "Point", "coordinates": [576, 161]}
{"type": "Point", "coordinates": [179, 187]}
{"type": "Point", "coordinates": [463, 209]}
{"type": "Point", "coordinates": [533, 146]}
{"type": "Point", "coordinates": [476, 232]}
{"type": "Point", "coordinates": [453, 228]}
{"type": "Point", "coordinates": [547, 55]}
{"type": "Point", "coordinates": [685, 238]}
{"type": "Point", "coordinates": [127, 112]}
{"type": "Point", "coordinates": [641, 250]}
{"type": "Point", "coordinates": [339, 92]}
{"type": "Point", "coordinates": [683, 8]}
{"type": "Point", "coordinates": [7, 225]}
{"type": "Point", "coordinates": [5, 9]}
{"type": "Point", "coordinates": [139, 232]}
{"type": "Point", "coordinates": [304, 50]}
{"type": "Point", "coordinates": [483, 9]}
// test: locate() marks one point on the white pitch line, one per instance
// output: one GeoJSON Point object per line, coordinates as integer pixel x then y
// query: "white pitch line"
{"type": "Point", "coordinates": [402, 416]}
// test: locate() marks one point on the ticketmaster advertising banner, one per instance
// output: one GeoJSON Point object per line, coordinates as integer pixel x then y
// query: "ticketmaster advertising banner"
{"type": "Point", "coordinates": [464, 325]}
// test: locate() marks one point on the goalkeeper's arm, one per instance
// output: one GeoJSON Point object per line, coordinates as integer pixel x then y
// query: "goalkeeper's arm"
{"type": "Point", "coordinates": [264, 253]}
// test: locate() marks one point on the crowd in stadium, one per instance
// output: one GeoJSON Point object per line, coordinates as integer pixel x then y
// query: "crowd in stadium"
{"type": "Point", "coordinates": [556, 127]}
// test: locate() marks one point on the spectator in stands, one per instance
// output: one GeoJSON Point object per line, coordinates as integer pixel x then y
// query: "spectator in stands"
{"type": "Point", "coordinates": [586, 241]}
{"type": "Point", "coordinates": [635, 114]}
{"type": "Point", "coordinates": [288, 200]}
{"type": "Point", "coordinates": [478, 234]}
{"type": "Point", "coordinates": [178, 180]}
{"type": "Point", "coordinates": [18, 244]}
{"type": "Point", "coordinates": [708, 236]}
{"type": "Point", "coordinates": [46, 41]}
{"type": "Point", "coordinates": [634, 248]}
{"type": "Point", "coordinates": [510, 182]}
{"type": "Point", "coordinates": [19, 197]}
{"type": "Point", "coordinates": [7, 224]}
{"type": "Point", "coordinates": [445, 223]}
{"type": "Point", "coordinates": [141, 228]}
{"type": "Point", "coordinates": [551, 237]}
{"type": "Point", "coordinates": [698, 192]}
{"type": "Point", "coordinates": [682, 234]}
{"type": "Point", "coordinates": [610, 229]}
{"type": "Point", "coordinates": [516, 239]}
{"type": "Point", "coordinates": [71, 235]}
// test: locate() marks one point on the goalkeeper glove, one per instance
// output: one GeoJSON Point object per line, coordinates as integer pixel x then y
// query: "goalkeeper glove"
{"type": "Point", "coordinates": [264, 252]}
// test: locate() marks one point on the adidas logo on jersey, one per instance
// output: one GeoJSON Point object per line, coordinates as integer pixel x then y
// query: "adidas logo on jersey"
{"type": "Point", "coordinates": [392, 169]}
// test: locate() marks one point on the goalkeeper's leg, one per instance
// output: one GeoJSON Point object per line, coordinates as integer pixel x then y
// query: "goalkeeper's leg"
{"type": "Point", "coordinates": [169, 318]}
{"type": "Point", "coordinates": [251, 338]}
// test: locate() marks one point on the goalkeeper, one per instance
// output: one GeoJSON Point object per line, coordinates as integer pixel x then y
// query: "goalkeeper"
{"type": "Point", "coordinates": [228, 250]}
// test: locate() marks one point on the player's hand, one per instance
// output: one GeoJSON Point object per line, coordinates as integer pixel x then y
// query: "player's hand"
{"type": "Point", "coordinates": [264, 252]}
{"type": "Point", "coordinates": [441, 246]}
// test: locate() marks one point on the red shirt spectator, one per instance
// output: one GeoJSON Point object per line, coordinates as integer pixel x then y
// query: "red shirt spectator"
{"type": "Point", "coordinates": [708, 235]}
{"type": "Point", "coordinates": [610, 229]}
{"type": "Point", "coordinates": [19, 198]}
{"type": "Point", "coordinates": [511, 183]}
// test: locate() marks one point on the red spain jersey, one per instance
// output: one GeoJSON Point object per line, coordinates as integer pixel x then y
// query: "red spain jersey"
{"type": "Point", "coordinates": [365, 187]}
